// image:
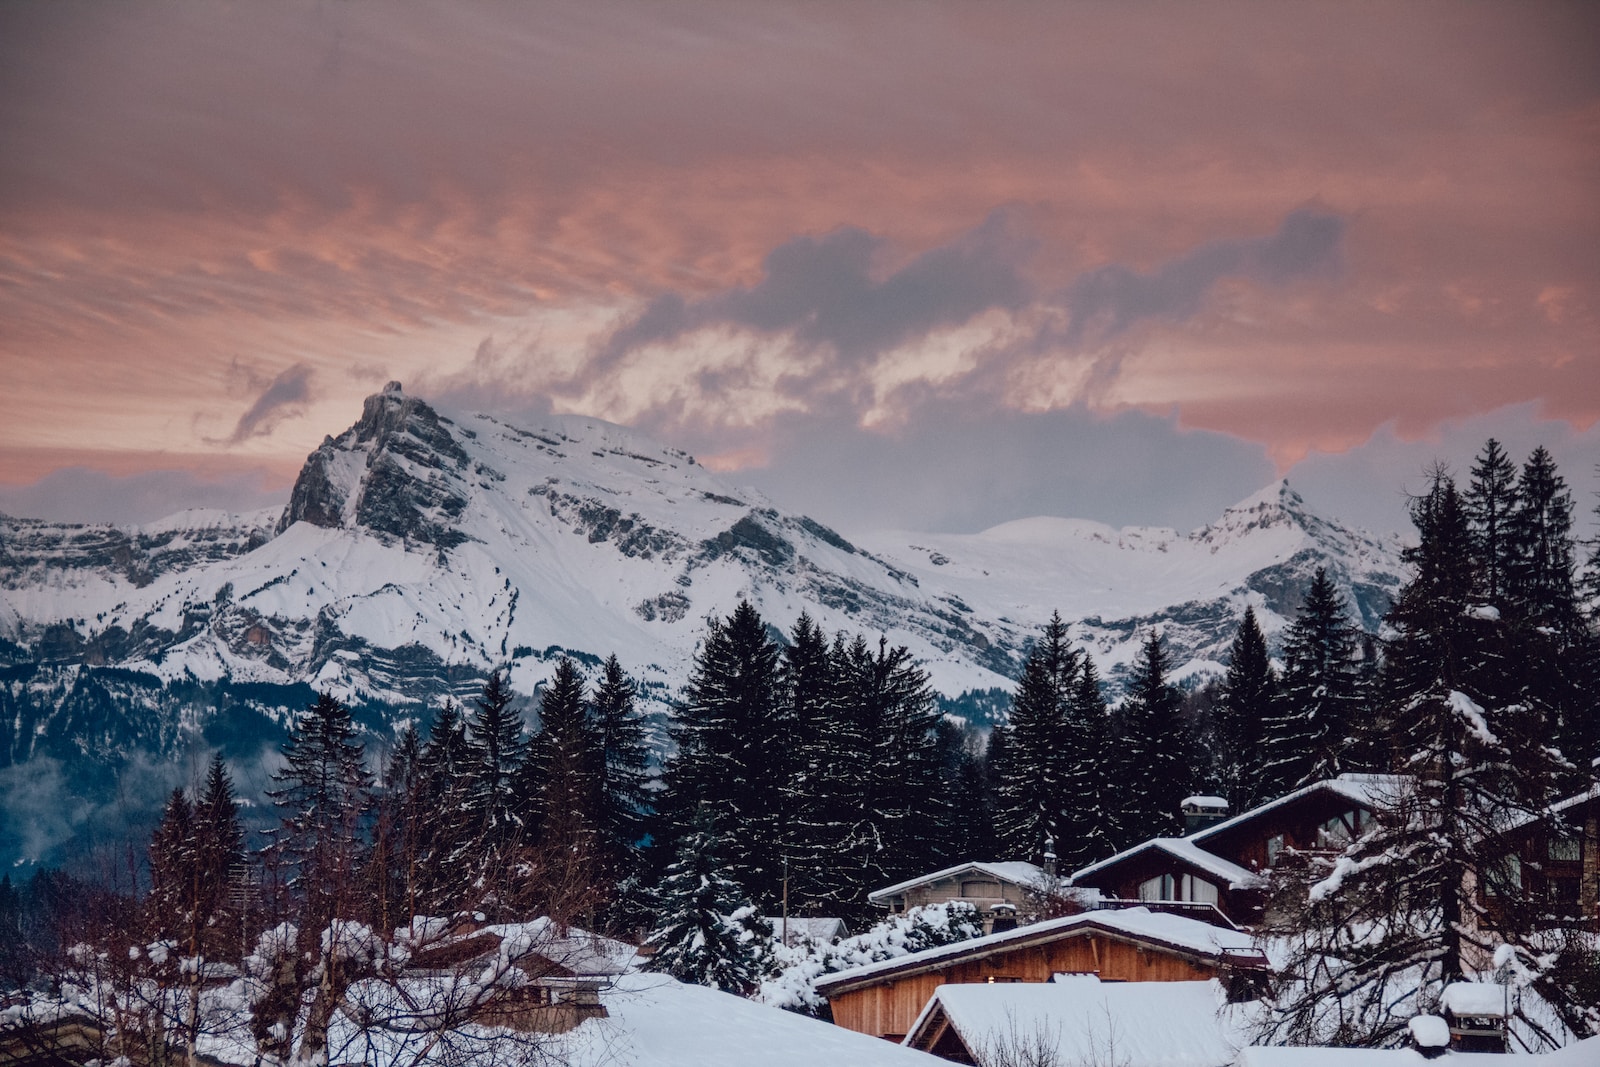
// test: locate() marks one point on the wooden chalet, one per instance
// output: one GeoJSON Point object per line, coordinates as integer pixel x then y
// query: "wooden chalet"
{"type": "Point", "coordinates": [1220, 867]}
{"type": "Point", "coordinates": [1555, 860]}
{"type": "Point", "coordinates": [563, 971]}
{"type": "Point", "coordinates": [997, 890]}
{"type": "Point", "coordinates": [1130, 945]}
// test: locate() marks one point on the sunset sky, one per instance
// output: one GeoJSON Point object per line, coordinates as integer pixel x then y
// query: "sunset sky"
{"type": "Point", "coordinates": [912, 264]}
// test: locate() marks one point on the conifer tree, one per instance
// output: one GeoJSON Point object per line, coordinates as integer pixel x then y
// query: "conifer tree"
{"type": "Point", "coordinates": [172, 866]}
{"type": "Point", "coordinates": [1248, 698]}
{"type": "Point", "coordinates": [1396, 916]}
{"type": "Point", "coordinates": [1556, 646]}
{"type": "Point", "coordinates": [906, 781]}
{"type": "Point", "coordinates": [1310, 736]}
{"type": "Point", "coordinates": [323, 795]}
{"type": "Point", "coordinates": [565, 760]}
{"type": "Point", "coordinates": [398, 835]}
{"type": "Point", "coordinates": [493, 750]}
{"type": "Point", "coordinates": [730, 736]}
{"type": "Point", "coordinates": [822, 753]}
{"type": "Point", "coordinates": [1033, 793]}
{"type": "Point", "coordinates": [444, 824]}
{"type": "Point", "coordinates": [1089, 818]}
{"type": "Point", "coordinates": [621, 764]}
{"type": "Point", "coordinates": [706, 935]}
{"type": "Point", "coordinates": [1490, 502]}
{"type": "Point", "coordinates": [1157, 754]}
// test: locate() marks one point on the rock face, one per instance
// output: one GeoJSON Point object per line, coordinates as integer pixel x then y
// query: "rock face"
{"type": "Point", "coordinates": [422, 549]}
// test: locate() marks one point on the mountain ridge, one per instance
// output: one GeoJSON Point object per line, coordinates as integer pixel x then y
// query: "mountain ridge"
{"type": "Point", "coordinates": [423, 547]}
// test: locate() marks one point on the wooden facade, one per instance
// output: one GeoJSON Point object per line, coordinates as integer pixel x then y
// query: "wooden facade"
{"type": "Point", "coordinates": [1220, 865]}
{"type": "Point", "coordinates": [885, 1001]}
{"type": "Point", "coordinates": [1011, 887]}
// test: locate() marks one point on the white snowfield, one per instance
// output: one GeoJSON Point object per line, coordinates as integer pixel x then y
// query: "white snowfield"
{"type": "Point", "coordinates": [1584, 1053]}
{"type": "Point", "coordinates": [581, 535]}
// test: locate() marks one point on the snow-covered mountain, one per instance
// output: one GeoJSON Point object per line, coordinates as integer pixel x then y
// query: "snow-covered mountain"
{"type": "Point", "coordinates": [423, 548]}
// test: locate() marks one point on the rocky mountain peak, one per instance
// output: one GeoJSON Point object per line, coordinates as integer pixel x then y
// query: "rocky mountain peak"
{"type": "Point", "coordinates": [395, 472]}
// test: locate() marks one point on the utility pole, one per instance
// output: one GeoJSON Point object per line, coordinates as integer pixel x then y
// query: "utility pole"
{"type": "Point", "coordinates": [783, 938]}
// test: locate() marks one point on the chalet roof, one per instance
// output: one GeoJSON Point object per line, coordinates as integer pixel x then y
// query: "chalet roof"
{"type": "Point", "coordinates": [812, 927]}
{"type": "Point", "coordinates": [1149, 1024]}
{"type": "Point", "coordinates": [572, 951]}
{"type": "Point", "coordinates": [1368, 790]}
{"type": "Point", "coordinates": [1185, 850]}
{"type": "Point", "coordinates": [1017, 872]}
{"type": "Point", "coordinates": [1175, 933]}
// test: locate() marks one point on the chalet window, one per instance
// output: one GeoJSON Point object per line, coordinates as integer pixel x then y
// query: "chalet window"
{"type": "Point", "coordinates": [1565, 849]}
{"type": "Point", "coordinates": [1340, 830]}
{"type": "Point", "coordinates": [1183, 887]}
{"type": "Point", "coordinates": [1157, 888]}
{"type": "Point", "coordinates": [980, 889]}
{"type": "Point", "coordinates": [1274, 849]}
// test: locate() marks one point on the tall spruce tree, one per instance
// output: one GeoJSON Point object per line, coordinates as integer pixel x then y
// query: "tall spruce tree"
{"type": "Point", "coordinates": [1557, 646]}
{"type": "Point", "coordinates": [493, 750]}
{"type": "Point", "coordinates": [559, 863]}
{"type": "Point", "coordinates": [905, 790]}
{"type": "Point", "coordinates": [1248, 701]}
{"type": "Point", "coordinates": [622, 765]}
{"type": "Point", "coordinates": [1490, 501]}
{"type": "Point", "coordinates": [730, 736]}
{"type": "Point", "coordinates": [1157, 755]}
{"type": "Point", "coordinates": [1033, 798]}
{"type": "Point", "coordinates": [1401, 911]}
{"type": "Point", "coordinates": [323, 797]}
{"type": "Point", "coordinates": [1310, 736]}
{"type": "Point", "coordinates": [823, 754]}
{"type": "Point", "coordinates": [1088, 816]}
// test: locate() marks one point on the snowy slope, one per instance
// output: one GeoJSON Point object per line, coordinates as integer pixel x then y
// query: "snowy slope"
{"type": "Point", "coordinates": [1113, 584]}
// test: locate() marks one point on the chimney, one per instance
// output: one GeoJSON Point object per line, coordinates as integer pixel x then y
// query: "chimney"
{"type": "Point", "coordinates": [1200, 812]}
{"type": "Point", "coordinates": [1050, 862]}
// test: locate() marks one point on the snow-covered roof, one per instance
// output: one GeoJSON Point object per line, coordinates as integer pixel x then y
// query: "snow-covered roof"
{"type": "Point", "coordinates": [1139, 924]}
{"type": "Point", "coordinates": [576, 951]}
{"type": "Point", "coordinates": [1183, 848]}
{"type": "Point", "coordinates": [1482, 999]}
{"type": "Point", "coordinates": [1017, 872]}
{"type": "Point", "coordinates": [1368, 790]}
{"type": "Point", "coordinates": [656, 1021]}
{"type": "Point", "coordinates": [811, 927]}
{"type": "Point", "coordinates": [1143, 1024]}
{"type": "Point", "coordinates": [1203, 802]}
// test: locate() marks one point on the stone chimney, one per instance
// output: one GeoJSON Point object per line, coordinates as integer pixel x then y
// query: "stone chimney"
{"type": "Point", "coordinates": [1200, 812]}
{"type": "Point", "coordinates": [1050, 862]}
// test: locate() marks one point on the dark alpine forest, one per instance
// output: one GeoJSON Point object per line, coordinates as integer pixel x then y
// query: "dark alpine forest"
{"type": "Point", "coordinates": [807, 769]}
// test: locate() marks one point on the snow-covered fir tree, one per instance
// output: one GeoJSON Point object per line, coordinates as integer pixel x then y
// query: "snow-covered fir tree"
{"type": "Point", "coordinates": [1033, 791]}
{"type": "Point", "coordinates": [621, 799]}
{"type": "Point", "coordinates": [730, 737]}
{"type": "Point", "coordinates": [1490, 501]}
{"type": "Point", "coordinates": [1309, 736]}
{"type": "Point", "coordinates": [1246, 703]}
{"type": "Point", "coordinates": [1155, 762]}
{"type": "Point", "coordinates": [708, 932]}
{"type": "Point", "coordinates": [1426, 894]}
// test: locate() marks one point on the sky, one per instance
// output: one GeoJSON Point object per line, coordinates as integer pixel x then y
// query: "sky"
{"type": "Point", "coordinates": [922, 265]}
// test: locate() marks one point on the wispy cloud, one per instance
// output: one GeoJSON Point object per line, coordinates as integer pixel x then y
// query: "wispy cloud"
{"type": "Point", "coordinates": [285, 396]}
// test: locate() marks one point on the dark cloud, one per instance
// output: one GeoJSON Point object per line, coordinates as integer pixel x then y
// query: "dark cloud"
{"type": "Point", "coordinates": [1106, 301]}
{"type": "Point", "coordinates": [286, 396]}
{"type": "Point", "coordinates": [830, 292]}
